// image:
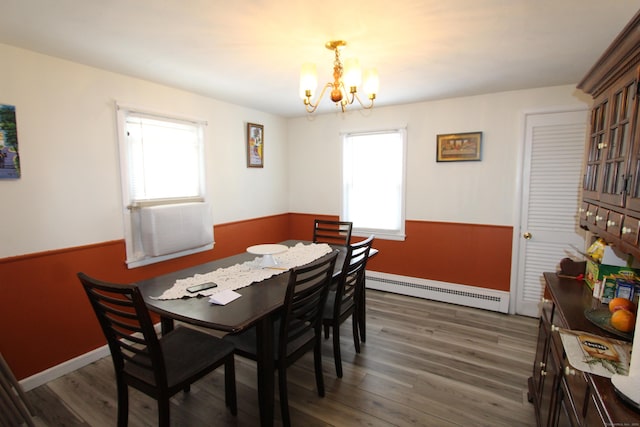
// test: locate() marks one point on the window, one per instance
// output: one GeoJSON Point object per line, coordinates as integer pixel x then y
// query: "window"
{"type": "Point", "coordinates": [162, 168]}
{"type": "Point", "coordinates": [373, 183]}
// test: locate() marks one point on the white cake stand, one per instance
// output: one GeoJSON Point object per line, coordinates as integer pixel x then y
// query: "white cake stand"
{"type": "Point", "coordinates": [267, 252]}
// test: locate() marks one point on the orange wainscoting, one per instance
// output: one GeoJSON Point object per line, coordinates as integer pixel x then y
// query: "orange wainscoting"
{"type": "Point", "coordinates": [45, 318]}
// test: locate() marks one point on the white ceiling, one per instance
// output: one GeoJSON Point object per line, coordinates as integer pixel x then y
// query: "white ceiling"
{"type": "Point", "coordinates": [249, 52]}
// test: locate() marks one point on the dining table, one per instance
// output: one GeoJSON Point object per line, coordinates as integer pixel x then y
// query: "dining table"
{"type": "Point", "coordinates": [257, 306]}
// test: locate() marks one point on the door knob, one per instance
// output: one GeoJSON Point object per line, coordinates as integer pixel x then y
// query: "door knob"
{"type": "Point", "coordinates": [527, 235]}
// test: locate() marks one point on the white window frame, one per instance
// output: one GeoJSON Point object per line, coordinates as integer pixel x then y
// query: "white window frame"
{"type": "Point", "coordinates": [380, 233]}
{"type": "Point", "coordinates": [136, 256]}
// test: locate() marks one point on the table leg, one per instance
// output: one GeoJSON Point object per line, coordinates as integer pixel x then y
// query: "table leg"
{"type": "Point", "coordinates": [265, 362]}
{"type": "Point", "coordinates": [166, 325]}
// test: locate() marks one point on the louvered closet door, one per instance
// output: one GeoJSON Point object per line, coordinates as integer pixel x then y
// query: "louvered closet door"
{"type": "Point", "coordinates": [551, 182]}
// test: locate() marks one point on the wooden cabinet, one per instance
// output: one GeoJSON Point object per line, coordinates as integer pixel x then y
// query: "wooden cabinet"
{"type": "Point", "coordinates": [561, 395]}
{"type": "Point", "coordinates": [611, 184]}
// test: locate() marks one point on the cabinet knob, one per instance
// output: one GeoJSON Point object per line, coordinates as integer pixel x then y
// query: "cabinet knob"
{"type": "Point", "coordinates": [544, 300]}
{"type": "Point", "coordinates": [611, 223]}
{"type": "Point", "coordinates": [543, 365]}
{"type": "Point", "coordinates": [569, 371]}
{"type": "Point", "coordinates": [626, 230]}
{"type": "Point", "coordinates": [543, 373]}
{"type": "Point", "coordinates": [589, 213]}
{"type": "Point", "coordinates": [599, 218]}
{"type": "Point", "coordinates": [581, 210]}
{"type": "Point", "coordinates": [527, 235]}
{"type": "Point", "coordinates": [554, 328]}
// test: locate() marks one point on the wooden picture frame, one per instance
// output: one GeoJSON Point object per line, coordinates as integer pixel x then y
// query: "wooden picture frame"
{"type": "Point", "coordinates": [459, 147]}
{"type": "Point", "coordinates": [255, 145]}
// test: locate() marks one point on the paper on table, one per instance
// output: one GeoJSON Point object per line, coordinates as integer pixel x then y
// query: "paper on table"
{"type": "Point", "coordinates": [224, 297]}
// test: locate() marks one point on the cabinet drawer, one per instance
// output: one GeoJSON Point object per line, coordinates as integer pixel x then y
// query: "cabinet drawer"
{"type": "Point", "coordinates": [582, 211]}
{"type": "Point", "coordinates": [614, 223]}
{"type": "Point", "coordinates": [629, 231]}
{"type": "Point", "coordinates": [601, 217]}
{"type": "Point", "coordinates": [590, 214]}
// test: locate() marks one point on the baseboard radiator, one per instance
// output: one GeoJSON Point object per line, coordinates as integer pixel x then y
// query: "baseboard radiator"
{"type": "Point", "coordinates": [469, 296]}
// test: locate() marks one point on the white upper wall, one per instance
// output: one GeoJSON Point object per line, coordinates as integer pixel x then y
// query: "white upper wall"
{"type": "Point", "coordinates": [69, 193]}
{"type": "Point", "coordinates": [481, 192]}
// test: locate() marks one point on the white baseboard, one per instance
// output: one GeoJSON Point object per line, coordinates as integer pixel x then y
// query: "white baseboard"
{"type": "Point", "coordinates": [70, 365]}
{"type": "Point", "coordinates": [470, 296]}
{"type": "Point", "coordinates": [64, 368]}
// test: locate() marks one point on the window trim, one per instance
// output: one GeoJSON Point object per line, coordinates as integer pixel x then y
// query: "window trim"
{"type": "Point", "coordinates": [385, 234]}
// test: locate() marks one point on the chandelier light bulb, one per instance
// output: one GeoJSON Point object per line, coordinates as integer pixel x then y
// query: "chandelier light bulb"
{"type": "Point", "coordinates": [308, 80]}
{"type": "Point", "coordinates": [352, 73]}
{"type": "Point", "coordinates": [371, 83]}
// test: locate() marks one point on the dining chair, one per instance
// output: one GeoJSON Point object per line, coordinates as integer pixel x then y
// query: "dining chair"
{"type": "Point", "coordinates": [346, 300]}
{"type": "Point", "coordinates": [298, 327]}
{"type": "Point", "coordinates": [332, 232]}
{"type": "Point", "coordinates": [15, 408]}
{"type": "Point", "coordinates": [158, 367]}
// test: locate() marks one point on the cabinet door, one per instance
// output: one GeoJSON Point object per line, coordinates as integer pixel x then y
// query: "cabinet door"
{"type": "Point", "coordinates": [617, 145]}
{"type": "Point", "coordinates": [595, 147]}
{"type": "Point", "coordinates": [566, 417]}
{"type": "Point", "coordinates": [633, 196]}
{"type": "Point", "coordinates": [540, 361]}
{"type": "Point", "coordinates": [592, 416]}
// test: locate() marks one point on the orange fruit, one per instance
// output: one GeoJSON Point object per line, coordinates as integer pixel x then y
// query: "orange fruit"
{"type": "Point", "coordinates": [623, 320]}
{"type": "Point", "coordinates": [621, 304]}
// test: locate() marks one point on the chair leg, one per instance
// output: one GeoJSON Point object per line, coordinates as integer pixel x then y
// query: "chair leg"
{"type": "Point", "coordinates": [317, 359]}
{"type": "Point", "coordinates": [284, 397]}
{"type": "Point", "coordinates": [336, 349]}
{"type": "Point", "coordinates": [230, 395]}
{"type": "Point", "coordinates": [354, 324]}
{"type": "Point", "coordinates": [164, 415]}
{"type": "Point", "coordinates": [362, 316]}
{"type": "Point", "coordinates": [123, 403]}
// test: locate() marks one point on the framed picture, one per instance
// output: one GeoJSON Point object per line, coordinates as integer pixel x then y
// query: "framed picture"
{"type": "Point", "coordinates": [255, 145]}
{"type": "Point", "coordinates": [9, 158]}
{"type": "Point", "coordinates": [459, 147]}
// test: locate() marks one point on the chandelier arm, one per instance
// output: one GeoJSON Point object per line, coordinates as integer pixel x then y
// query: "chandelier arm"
{"type": "Point", "coordinates": [310, 106]}
{"type": "Point", "coordinates": [371, 98]}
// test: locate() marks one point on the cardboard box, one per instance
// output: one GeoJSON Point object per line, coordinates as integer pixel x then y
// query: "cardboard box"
{"type": "Point", "coordinates": [614, 263]}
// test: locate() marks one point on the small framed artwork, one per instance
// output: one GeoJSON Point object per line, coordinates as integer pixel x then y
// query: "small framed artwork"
{"type": "Point", "coordinates": [459, 147]}
{"type": "Point", "coordinates": [9, 158]}
{"type": "Point", "coordinates": [255, 145]}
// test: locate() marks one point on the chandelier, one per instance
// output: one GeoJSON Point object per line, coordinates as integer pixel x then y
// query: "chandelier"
{"type": "Point", "coordinates": [346, 79]}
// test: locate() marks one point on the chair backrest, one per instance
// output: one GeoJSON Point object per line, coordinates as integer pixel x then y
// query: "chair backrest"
{"type": "Point", "coordinates": [127, 325]}
{"type": "Point", "coordinates": [304, 301]}
{"type": "Point", "coordinates": [353, 272]}
{"type": "Point", "coordinates": [332, 232]}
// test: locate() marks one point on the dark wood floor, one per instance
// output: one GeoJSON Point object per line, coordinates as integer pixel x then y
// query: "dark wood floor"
{"type": "Point", "coordinates": [424, 364]}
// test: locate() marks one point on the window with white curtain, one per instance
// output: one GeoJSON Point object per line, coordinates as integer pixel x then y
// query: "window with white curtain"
{"type": "Point", "coordinates": [373, 183]}
{"type": "Point", "coordinates": [162, 168]}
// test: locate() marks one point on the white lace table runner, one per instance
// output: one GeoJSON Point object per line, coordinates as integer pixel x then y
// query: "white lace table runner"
{"type": "Point", "coordinates": [241, 275]}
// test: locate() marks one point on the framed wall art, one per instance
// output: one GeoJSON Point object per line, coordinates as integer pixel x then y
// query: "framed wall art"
{"type": "Point", "coordinates": [9, 158]}
{"type": "Point", "coordinates": [255, 145]}
{"type": "Point", "coordinates": [459, 147]}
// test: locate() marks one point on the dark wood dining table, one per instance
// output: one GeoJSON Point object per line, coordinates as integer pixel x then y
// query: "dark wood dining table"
{"type": "Point", "coordinates": [259, 303]}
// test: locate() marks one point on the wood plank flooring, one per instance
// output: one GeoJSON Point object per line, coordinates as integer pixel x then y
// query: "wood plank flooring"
{"type": "Point", "coordinates": [425, 363]}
